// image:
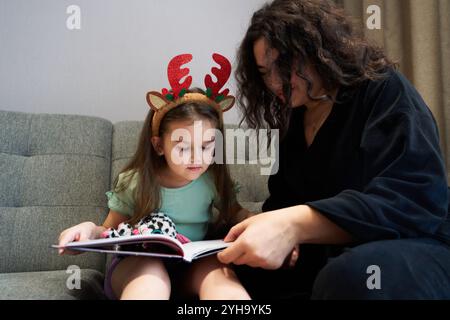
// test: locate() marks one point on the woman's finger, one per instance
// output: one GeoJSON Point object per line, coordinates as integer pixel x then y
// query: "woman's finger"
{"type": "Point", "coordinates": [294, 257]}
{"type": "Point", "coordinates": [235, 232]}
{"type": "Point", "coordinates": [230, 254]}
{"type": "Point", "coordinates": [243, 259]}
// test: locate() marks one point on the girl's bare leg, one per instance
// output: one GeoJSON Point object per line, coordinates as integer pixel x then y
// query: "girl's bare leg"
{"type": "Point", "coordinates": [212, 280]}
{"type": "Point", "coordinates": [141, 278]}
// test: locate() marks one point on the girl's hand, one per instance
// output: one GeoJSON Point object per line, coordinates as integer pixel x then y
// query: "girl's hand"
{"type": "Point", "coordinates": [80, 232]}
{"type": "Point", "coordinates": [264, 240]}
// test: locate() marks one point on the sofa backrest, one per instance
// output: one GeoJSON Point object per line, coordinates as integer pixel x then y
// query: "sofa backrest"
{"type": "Point", "coordinates": [124, 144]}
{"type": "Point", "coordinates": [54, 171]}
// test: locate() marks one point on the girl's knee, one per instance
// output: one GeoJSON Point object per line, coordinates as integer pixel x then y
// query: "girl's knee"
{"type": "Point", "coordinates": [140, 272]}
{"type": "Point", "coordinates": [218, 281]}
{"type": "Point", "coordinates": [222, 284]}
{"type": "Point", "coordinates": [211, 267]}
{"type": "Point", "coordinates": [136, 266]}
{"type": "Point", "coordinates": [149, 265]}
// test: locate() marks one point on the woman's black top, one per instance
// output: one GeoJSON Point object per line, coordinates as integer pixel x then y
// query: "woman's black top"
{"type": "Point", "coordinates": [375, 167]}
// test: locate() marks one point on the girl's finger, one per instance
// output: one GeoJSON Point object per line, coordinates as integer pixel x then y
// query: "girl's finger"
{"type": "Point", "coordinates": [65, 239]}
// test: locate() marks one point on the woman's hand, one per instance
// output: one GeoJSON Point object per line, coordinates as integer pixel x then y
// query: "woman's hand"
{"type": "Point", "coordinates": [264, 240]}
{"type": "Point", "coordinates": [292, 258]}
{"type": "Point", "coordinates": [80, 232]}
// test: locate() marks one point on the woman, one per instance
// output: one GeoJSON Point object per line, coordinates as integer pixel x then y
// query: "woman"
{"type": "Point", "coordinates": [361, 184]}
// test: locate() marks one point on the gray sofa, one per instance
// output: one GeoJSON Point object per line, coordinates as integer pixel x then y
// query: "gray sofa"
{"type": "Point", "coordinates": [54, 172]}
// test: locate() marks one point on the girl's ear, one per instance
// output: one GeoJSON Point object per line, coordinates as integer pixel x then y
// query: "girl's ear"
{"type": "Point", "coordinates": [157, 145]}
{"type": "Point", "coordinates": [227, 103]}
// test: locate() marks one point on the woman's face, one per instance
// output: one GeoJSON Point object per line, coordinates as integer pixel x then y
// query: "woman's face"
{"type": "Point", "coordinates": [265, 59]}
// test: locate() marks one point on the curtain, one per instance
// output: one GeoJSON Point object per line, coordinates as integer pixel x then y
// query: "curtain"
{"type": "Point", "coordinates": [416, 33]}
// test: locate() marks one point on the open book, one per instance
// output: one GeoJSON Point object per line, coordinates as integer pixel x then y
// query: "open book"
{"type": "Point", "coordinates": [154, 245]}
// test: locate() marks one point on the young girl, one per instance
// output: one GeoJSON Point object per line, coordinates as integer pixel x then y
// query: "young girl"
{"type": "Point", "coordinates": [172, 173]}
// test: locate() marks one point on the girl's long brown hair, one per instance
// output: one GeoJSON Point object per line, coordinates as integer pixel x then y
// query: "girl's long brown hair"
{"type": "Point", "coordinates": [146, 163]}
{"type": "Point", "coordinates": [317, 31]}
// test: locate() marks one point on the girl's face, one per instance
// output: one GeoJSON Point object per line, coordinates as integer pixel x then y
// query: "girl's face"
{"type": "Point", "coordinates": [265, 59]}
{"type": "Point", "coordinates": [187, 147]}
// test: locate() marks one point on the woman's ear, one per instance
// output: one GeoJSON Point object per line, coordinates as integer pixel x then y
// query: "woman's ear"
{"type": "Point", "coordinates": [157, 145]}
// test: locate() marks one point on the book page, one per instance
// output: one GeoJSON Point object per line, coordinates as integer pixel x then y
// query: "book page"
{"type": "Point", "coordinates": [197, 249]}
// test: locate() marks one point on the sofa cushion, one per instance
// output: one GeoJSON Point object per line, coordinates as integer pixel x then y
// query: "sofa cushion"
{"type": "Point", "coordinates": [54, 171]}
{"type": "Point", "coordinates": [253, 185]}
{"type": "Point", "coordinates": [124, 143]}
{"type": "Point", "coordinates": [51, 285]}
{"type": "Point", "coordinates": [28, 232]}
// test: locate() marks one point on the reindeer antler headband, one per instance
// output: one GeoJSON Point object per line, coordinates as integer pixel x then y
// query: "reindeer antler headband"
{"type": "Point", "coordinates": [163, 102]}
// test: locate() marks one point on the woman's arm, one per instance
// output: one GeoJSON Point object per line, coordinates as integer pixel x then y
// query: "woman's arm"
{"type": "Point", "coordinates": [265, 240]}
{"type": "Point", "coordinates": [313, 227]}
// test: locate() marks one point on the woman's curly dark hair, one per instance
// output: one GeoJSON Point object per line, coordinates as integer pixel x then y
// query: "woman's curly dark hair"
{"type": "Point", "coordinates": [317, 31]}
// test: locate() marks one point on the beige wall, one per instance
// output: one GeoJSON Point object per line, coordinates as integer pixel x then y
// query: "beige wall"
{"type": "Point", "coordinates": [121, 51]}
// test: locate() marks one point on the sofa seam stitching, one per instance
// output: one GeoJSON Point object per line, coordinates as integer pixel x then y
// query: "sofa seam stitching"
{"type": "Point", "coordinates": [22, 180]}
{"type": "Point", "coordinates": [55, 154]}
{"type": "Point", "coordinates": [53, 206]}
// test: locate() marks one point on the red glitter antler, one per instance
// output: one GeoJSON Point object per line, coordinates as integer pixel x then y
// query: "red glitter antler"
{"type": "Point", "coordinates": [175, 73]}
{"type": "Point", "coordinates": [222, 74]}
